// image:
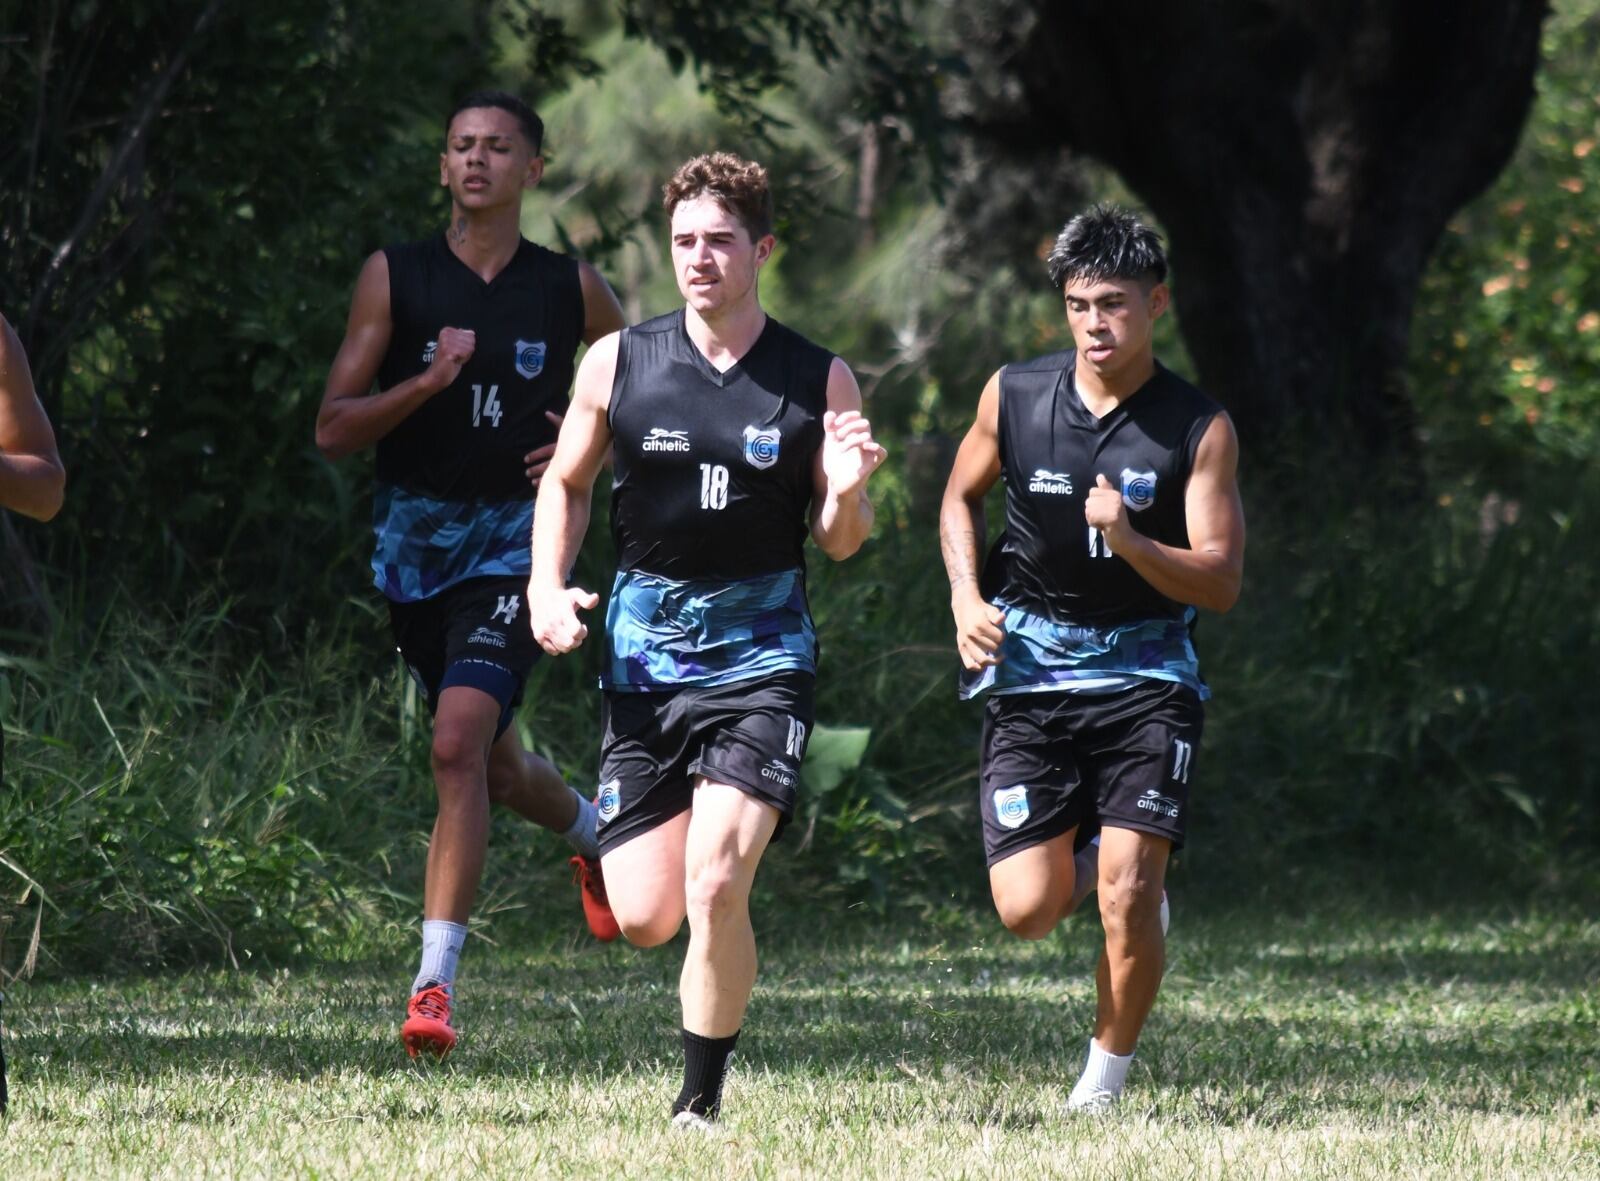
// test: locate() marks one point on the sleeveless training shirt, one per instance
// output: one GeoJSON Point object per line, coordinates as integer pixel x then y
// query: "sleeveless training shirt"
{"type": "Point", "coordinates": [452, 499]}
{"type": "Point", "coordinates": [1078, 616]}
{"type": "Point", "coordinates": [712, 485]}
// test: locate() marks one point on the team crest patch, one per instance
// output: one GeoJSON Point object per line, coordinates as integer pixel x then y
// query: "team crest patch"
{"type": "Point", "coordinates": [1011, 805]}
{"type": "Point", "coordinates": [761, 446]}
{"type": "Point", "coordinates": [1138, 488]}
{"type": "Point", "coordinates": [530, 358]}
{"type": "Point", "coordinates": [609, 799]}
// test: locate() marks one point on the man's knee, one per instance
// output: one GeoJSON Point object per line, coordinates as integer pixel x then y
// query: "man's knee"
{"type": "Point", "coordinates": [1130, 901]}
{"type": "Point", "coordinates": [457, 752]}
{"type": "Point", "coordinates": [649, 930]}
{"type": "Point", "coordinates": [714, 893]}
{"type": "Point", "coordinates": [1030, 918]}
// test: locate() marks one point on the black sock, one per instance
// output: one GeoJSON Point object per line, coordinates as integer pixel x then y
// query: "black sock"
{"type": "Point", "coordinates": [705, 1065]}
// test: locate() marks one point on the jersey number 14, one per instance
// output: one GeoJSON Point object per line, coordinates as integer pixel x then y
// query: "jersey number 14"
{"type": "Point", "coordinates": [483, 407]}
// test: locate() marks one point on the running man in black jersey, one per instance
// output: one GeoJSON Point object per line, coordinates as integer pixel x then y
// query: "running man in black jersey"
{"type": "Point", "coordinates": [1122, 517]}
{"type": "Point", "coordinates": [470, 338]}
{"type": "Point", "coordinates": [732, 436]}
{"type": "Point", "coordinates": [32, 480]}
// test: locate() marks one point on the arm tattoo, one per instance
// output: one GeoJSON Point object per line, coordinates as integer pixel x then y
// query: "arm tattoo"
{"type": "Point", "coordinates": [960, 548]}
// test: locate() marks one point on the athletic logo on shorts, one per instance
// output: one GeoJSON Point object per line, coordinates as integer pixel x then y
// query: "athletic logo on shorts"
{"type": "Point", "coordinates": [761, 446]}
{"type": "Point", "coordinates": [484, 636]}
{"type": "Point", "coordinates": [1138, 488]}
{"type": "Point", "coordinates": [530, 358]}
{"type": "Point", "coordinates": [779, 772]}
{"type": "Point", "coordinates": [609, 801]}
{"type": "Point", "coordinates": [1011, 805]}
{"type": "Point", "coordinates": [1154, 801]}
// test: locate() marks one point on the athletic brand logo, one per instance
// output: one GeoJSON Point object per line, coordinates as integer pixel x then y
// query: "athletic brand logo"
{"type": "Point", "coordinates": [1138, 489]}
{"type": "Point", "coordinates": [779, 772]}
{"type": "Point", "coordinates": [507, 608]}
{"type": "Point", "coordinates": [1154, 801]}
{"type": "Point", "coordinates": [609, 800]}
{"type": "Point", "coordinates": [795, 745]}
{"type": "Point", "coordinates": [428, 351]}
{"type": "Point", "coordinates": [530, 358]}
{"type": "Point", "coordinates": [484, 636]}
{"type": "Point", "coordinates": [760, 446]}
{"type": "Point", "coordinates": [661, 439]}
{"type": "Point", "coordinates": [1011, 805]}
{"type": "Point", "coordinates": [1054, 483]}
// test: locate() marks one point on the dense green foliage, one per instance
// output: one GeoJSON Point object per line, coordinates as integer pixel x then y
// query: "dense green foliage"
{"type": "Point", "coordinates": [210, 750]}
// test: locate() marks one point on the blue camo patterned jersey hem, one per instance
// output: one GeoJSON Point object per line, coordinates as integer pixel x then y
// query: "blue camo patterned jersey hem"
{"type": "Point", "coordinates": [1042, 655]}
{"type": "Point", "coordinates": [663, 633]}
{"type": "Point", "coordinates": [425, 546]}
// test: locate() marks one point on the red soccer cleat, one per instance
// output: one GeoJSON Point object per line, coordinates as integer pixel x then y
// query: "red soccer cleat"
{"type": "Point", "coordinates": [596, 910]}
{"type": "Point", "coordinates": [427, 1024]}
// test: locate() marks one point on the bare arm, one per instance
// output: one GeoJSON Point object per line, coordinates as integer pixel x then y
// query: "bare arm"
{"type": "Point", "coordinates": [32, 478]}
{"type": "Point", "coordinates": [841, 514]}
{"type": "Point", "coordinates": [979, 630]}
{"type": "Point", "coordinates": [602, 314]}
{"type": "Point", "coordinates": [351, 416]}
{"type": "Point", "coordinates": [1209, 573]}
{"type": "Point", "coordinates": [561, 512]}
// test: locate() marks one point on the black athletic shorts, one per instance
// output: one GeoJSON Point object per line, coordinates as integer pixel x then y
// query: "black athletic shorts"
{"type": "Point", "coordinates": [1062, 760]}
{"type": "Point", "coordinates": [750, 735]}
{"type": "Point", "coordinates": [475, 633]}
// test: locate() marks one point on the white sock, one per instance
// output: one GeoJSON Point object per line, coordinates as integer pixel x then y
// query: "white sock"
{"type": "Point", "coordinates": [441, 949]}
{"type": "Point", "coordinates": [1103, 1071]}
{"type": "Point", "coordinates": [581, 835]}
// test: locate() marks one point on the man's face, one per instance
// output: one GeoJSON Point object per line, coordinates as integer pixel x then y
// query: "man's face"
{"type": "Point", "coordinates": [487, 161]}
{"type": "Point", "coordinates": [1111, 321]}
{"type": "Point", "coordinates": [713, 256]}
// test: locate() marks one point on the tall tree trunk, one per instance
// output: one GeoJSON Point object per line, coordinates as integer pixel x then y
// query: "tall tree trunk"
{"type": "Point", "coordinates": [1304, 156]}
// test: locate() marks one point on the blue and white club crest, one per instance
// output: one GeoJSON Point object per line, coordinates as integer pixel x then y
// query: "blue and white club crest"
{"type": "Point", "coordinates": [530, 358]}
{"type": "Point", "coordinates": [1011, 805]}
{"type": "Point", "coordinates": [761, 446]}
{"type": "Point", "coordinates": [1138, 488]}
{"type": "Point", "coordinates": [609, 799]}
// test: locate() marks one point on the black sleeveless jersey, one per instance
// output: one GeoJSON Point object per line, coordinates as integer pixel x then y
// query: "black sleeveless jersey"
{"type": "Point", "coordinates": [1049, 561]}
{"type": "Point", "coordinates": [466, 443]}
{"type": "Point", "coordinates": [713, 471]}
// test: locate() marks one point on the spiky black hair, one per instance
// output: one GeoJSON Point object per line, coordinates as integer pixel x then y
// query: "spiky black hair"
{"type": "Point", "coordinates": [532, 126]}
{"type": "Point", "coordinates": [1106, 242]}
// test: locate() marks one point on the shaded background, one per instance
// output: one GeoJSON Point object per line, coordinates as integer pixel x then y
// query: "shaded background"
{"type": "Point", "coordinates": [1382, 222]}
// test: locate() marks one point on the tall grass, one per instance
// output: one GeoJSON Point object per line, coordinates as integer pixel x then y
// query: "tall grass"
{"type": "Point", "coordinates": [1403, 700]}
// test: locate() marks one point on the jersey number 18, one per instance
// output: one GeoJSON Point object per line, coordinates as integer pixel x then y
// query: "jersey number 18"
{"type": "Point", "coordinates": [713, 486]}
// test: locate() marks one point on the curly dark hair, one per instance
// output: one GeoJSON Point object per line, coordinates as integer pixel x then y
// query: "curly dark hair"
{"type": "Point", "coordinates": [740, 186]}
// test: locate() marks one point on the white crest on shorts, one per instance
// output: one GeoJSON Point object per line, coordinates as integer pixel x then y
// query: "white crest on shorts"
{"type": "Point", "coordinates": [609, 800]}
{"type": "Point", "coordinates": [530, 358]}
{"type": "Point", "coordinates": [1011, 805]}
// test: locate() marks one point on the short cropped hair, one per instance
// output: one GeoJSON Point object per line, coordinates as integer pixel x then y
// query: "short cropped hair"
{"type": "Point", "coordinates": [532, 126]}
{"type": "Point", "coordinates": [738, 185]}
{"type": "Point", "coordinates": [1106, 242]}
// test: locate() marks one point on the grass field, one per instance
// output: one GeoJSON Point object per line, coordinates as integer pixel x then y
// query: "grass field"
{"type": "Point", "coordinates": [1335, 1045]}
